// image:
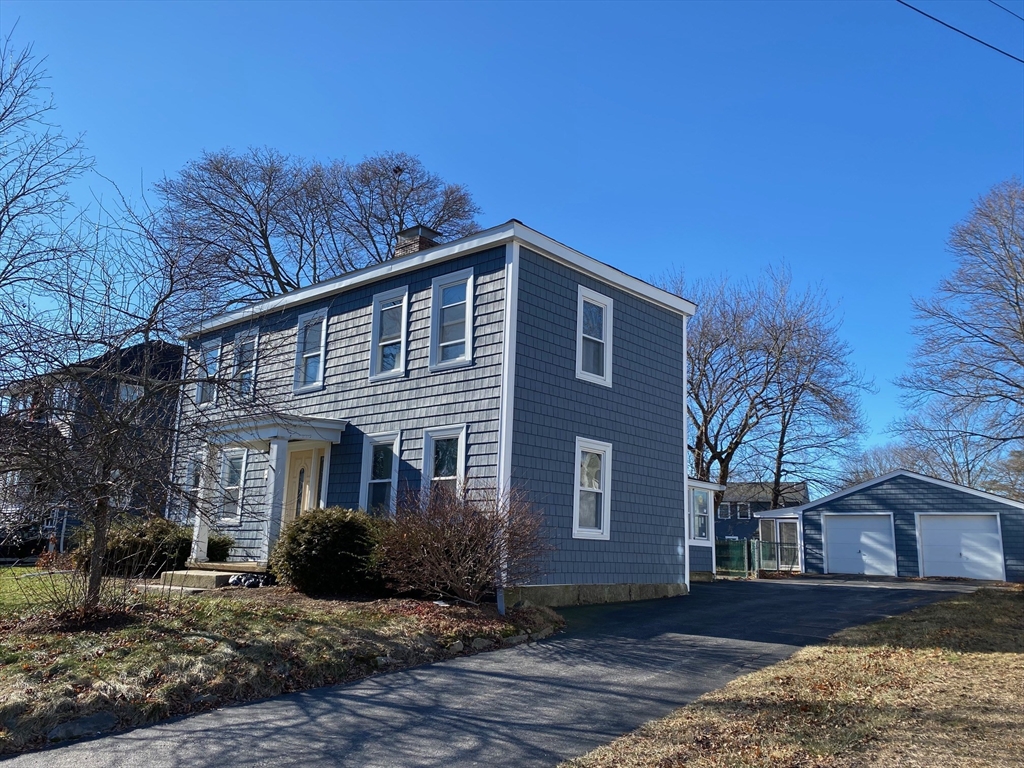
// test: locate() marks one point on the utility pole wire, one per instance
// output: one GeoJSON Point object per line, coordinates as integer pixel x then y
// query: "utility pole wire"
{"type": "Point", "coordinates": [997, 5]}
{"type": "Point", "coordinates": [965, 34]}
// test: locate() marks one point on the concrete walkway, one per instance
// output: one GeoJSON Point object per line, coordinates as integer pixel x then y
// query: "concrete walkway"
{"type": "Point", "coordinates": [615, 668]}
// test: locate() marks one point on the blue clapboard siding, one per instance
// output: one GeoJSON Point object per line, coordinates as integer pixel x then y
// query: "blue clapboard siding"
{"type": "Point", "coordinates": [904, 496]}
{"type": "Point", "coordinates": [700, 558]}
{"type": "Point", "coordinates": [641, 416]}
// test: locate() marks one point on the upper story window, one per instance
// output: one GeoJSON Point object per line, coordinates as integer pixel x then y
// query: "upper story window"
{"type": "Point", "coordinates": [592, 500]}
{"type": "Point", "coordinates": [209, 362]}
{"type": "Point", "coordinates": [594, 337]}
{"type": "Point", "coordinates": [309, 352]}
{"type": "Point", "coordinates": [380, 473]}
{"type": "Point", "coordinates": [387, 341]}
{"type": "Point", "coordinates": [451, 325]}
{"type": "Point", "coordinates": [243, 363]}
{"type": "Point", "coordinates": [700, 510]}
{"type": "Point", "coordinates": [444, 457]}
{"type": "Point", "coordinates": [743, 510]}
{"type": "Point", "coordinates": [724, 510]}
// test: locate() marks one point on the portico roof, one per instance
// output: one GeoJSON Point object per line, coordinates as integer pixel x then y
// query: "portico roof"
{"type": "Point", "coordinates": [258, 432]}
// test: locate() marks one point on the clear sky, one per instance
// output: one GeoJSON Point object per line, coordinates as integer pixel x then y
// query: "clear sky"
{"type": "Point", "coordinates": [845, 138]}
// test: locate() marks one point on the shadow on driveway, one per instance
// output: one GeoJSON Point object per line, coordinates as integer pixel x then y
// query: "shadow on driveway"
{"type": "Point", "coordinates": [616, 667]}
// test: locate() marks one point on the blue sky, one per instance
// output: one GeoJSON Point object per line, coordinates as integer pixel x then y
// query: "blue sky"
{"type": "Point", "coordinates": [844, 138]}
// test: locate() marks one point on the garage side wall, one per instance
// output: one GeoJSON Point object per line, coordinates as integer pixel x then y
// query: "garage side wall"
{"type": "Point", "coordinates": [904, 497]}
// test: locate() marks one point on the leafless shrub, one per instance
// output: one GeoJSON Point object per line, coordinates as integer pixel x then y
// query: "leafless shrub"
{"type": "Point", "coordinates": [462, 545]}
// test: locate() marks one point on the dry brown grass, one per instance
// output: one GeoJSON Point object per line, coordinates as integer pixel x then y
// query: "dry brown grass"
{"type": "Point", "coordinates": [940, 686]}
{"type": "Point", "coordinates": [172, 658]}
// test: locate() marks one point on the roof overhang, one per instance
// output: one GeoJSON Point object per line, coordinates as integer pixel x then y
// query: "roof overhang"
{"type": "Point", "coordinates": [511, 231]}
{"type": "Point", "coordinates": [257, 433]}
{"type": "Point", "coordinates": [704, 484]}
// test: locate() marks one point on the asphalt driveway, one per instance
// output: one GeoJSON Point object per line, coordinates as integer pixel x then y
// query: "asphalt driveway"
{"type": "Point", "coordinates": [613, 669]}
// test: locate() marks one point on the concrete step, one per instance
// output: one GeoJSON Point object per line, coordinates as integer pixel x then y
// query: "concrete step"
{"type": "Point", "coordinates": [240, 567]}
{"type": "Point", "coordinates": [164, 591]}
{"type": "Point", "coordinates": [196, 578]}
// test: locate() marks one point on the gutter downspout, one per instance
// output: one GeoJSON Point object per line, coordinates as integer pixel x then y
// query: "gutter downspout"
{"type": "Point", "coordinates": [686, 473]}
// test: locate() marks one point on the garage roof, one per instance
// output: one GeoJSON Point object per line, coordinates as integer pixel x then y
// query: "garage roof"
{"type": "Point", "coordinates": [877, 480]}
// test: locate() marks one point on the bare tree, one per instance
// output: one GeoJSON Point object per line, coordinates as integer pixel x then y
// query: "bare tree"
{"type": "Point", "coordinates": [971, 353]}
{"type": "Point", "coordinates": [262, 223]}
{"type": "Point", "coordinates": [773, 395]}
{"type": "Point", "coordinates": [880, 460]}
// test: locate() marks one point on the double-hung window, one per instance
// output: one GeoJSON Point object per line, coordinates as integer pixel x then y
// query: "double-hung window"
{"type": "Point", "coordinates": [743, 510]}
{"type": "Point", "coordinates": [594, 337]}
{"type": "Point", "coordinates": [451, 325]}
{"type": "Point", "coordinates": [209, 361]}
{"type": "Point", "coordinates": [724, 510]}
{"type": "Point", "coordinates": [232, 480]}
{"type": "Point", "coordinates": [700, 506]}
{"type": "Point", "coordinates": [444, 458]}
{"type": "Point", "coordinates": [243, 373]}
{"type": "Point", "coordinates": [387, 340]}
{"type": "Point", "coordinates": [309, 352]}
{"type": "Point", "coordinates": [592, 498]}
{"type": "Point", "coordinates": [380, 473]}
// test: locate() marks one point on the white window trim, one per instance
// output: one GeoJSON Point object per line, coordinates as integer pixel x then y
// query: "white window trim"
{"type": "Point", "coordinates": [439, 283]}
{"type": "Point", "coordinates": [208, 378]}
{"type": "Point", "coordinates": [724, 506]}
{"type": "Point", "coordinates": [221, 487]}
{"type": "Point", "coordinates": [691, 532]}
{"type": "Point", "coordinates": [304, 320]}
{"type": "Point", "coordinates": [254, 334]}
{"type": "Point", "coordinates": [394, 439]}
{"type": "Point", "coordinates": [378, 300]}
{"type": "Point", "coordinates": [585, 294]}
{"type": "Point", "coordinates": [442, 433]}
{"type": "Point", "coordinates": [739, 511]}
{"type": "Point", "coordinates": [594, 446]}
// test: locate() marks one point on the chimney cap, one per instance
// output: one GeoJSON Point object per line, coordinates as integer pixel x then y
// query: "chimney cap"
{"type": "Point", "coordinates": [418, 231]}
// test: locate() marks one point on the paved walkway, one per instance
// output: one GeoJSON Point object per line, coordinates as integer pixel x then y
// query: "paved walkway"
{"type": "Point", "coordinates": [615, 668]}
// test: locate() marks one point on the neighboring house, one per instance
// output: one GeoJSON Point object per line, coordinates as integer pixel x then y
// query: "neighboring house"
{"type": "Point", "coordinates": [906, 524]}
{"type": "Point", "coordinates": [504, 359]}
{"type": "Point", "coordinates": [735, 515]}
{"type": "Point", "coordinates": [49, 417]}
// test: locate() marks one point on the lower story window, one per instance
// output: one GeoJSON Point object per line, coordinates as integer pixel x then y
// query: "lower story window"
{"type": "Point", "coordinates": [444, 451]}
{"type": "Point", "coordinates": [592, 498]}
{"type": "Point", "coordinates": [232, 473]}
{"type": "Point", "coordinates": [700, 504]}
{"type": "Point", "coordinates": [380, 473]}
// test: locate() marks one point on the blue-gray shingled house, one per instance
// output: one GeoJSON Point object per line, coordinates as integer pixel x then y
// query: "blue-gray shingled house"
{"type": "Point", "coordinates": [909, 525]}
{"type": "Point", "coordinates": [502, 359]}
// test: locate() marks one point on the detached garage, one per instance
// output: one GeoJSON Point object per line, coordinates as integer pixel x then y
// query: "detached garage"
{"type": "Point", "coordinates": [905, 524]}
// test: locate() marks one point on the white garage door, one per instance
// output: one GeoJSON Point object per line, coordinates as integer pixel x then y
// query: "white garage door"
{"type": "Point", "coordinates": [961, 545]}
{"type": "Point", "coordinates": [859, 544]}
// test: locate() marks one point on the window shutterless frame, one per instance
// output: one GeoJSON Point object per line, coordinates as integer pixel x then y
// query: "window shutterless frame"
{"type": "Point", "coordinates": [438, 461]}
{"type": "Point", "coordinates": [592, 490]}
{"type": "Point", "coordinates": [379, 484]}
{"type": "Point", "coordinates": [310, 346]}
{"type": "Point", "coordinates": [724, 510]}
{"type": "Point", "coordinates": [594, 324]}
{"type": "Point", "coordinates": [244, 351]}
{"type": "Point", "coordinates": [700, 514]}
{"type": "Point", "coordinates": [232, 484]}
{"type": "Point", "coordinates": [206, 373]}
{"type": "Point", "coordinates": [451, 320]}
{"type": "Point", "coordinates": [388, 337]}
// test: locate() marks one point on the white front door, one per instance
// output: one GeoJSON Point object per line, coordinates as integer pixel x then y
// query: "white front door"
{"type": "Point", "coordinates": [302, 484]}
{"type": "Point", "coordinates": [961, 545]}
{"type": "Point", "coordinates": [859, 544]}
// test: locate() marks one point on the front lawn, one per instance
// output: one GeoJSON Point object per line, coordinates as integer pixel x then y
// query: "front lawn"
{"type": "Point", "coordinates": [939, 686]}
{"type": "Point", "coordinates": [164, 658]}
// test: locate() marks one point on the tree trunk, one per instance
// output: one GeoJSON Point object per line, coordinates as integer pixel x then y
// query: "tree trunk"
{"type": "Point", "coordinates": [101, 527]}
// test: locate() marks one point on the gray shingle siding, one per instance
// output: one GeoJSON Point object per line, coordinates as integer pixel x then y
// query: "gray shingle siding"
{"type": "Point", "coordinates": [700, 558]}
{"type": "Point", "coordinates": [420, 399]}
{"type": "Point", "coordinates": [904, 497]}
{"type": "Point", "coordinates": [641, 416]}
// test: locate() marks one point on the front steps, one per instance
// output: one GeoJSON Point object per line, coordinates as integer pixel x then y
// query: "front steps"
{"type": "Point", "coordinates": [198, 577]}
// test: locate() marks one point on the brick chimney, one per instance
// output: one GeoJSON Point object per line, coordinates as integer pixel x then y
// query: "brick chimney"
{"type": "Point", "coordinates": [414, 239]}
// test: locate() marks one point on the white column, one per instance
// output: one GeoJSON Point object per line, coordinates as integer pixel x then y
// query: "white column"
{"type": "Point", "coordinates": [200, 537]}
{"type": "Point", "coordinates": [275, 485]}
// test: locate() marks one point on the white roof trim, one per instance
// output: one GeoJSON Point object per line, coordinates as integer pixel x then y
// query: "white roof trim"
{"type": "Point", "coordinates": [780, 513]}
{"type": "Point", "coordinates": [257, 432]}
{"type": "Point", "coordinates": [511, 230]}
{"type": "Point", "coordinates": [704, 484]}
{"type": "Point", "coordinates": [916, 476]}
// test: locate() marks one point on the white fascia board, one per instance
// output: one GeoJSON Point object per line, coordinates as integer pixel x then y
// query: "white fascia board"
{"type": "Point", "coordinates": [915, 476]}
{"type": "Point", "coordinates": [705, 484]}
{"type": "Point", "coordinates": [488, 238]}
